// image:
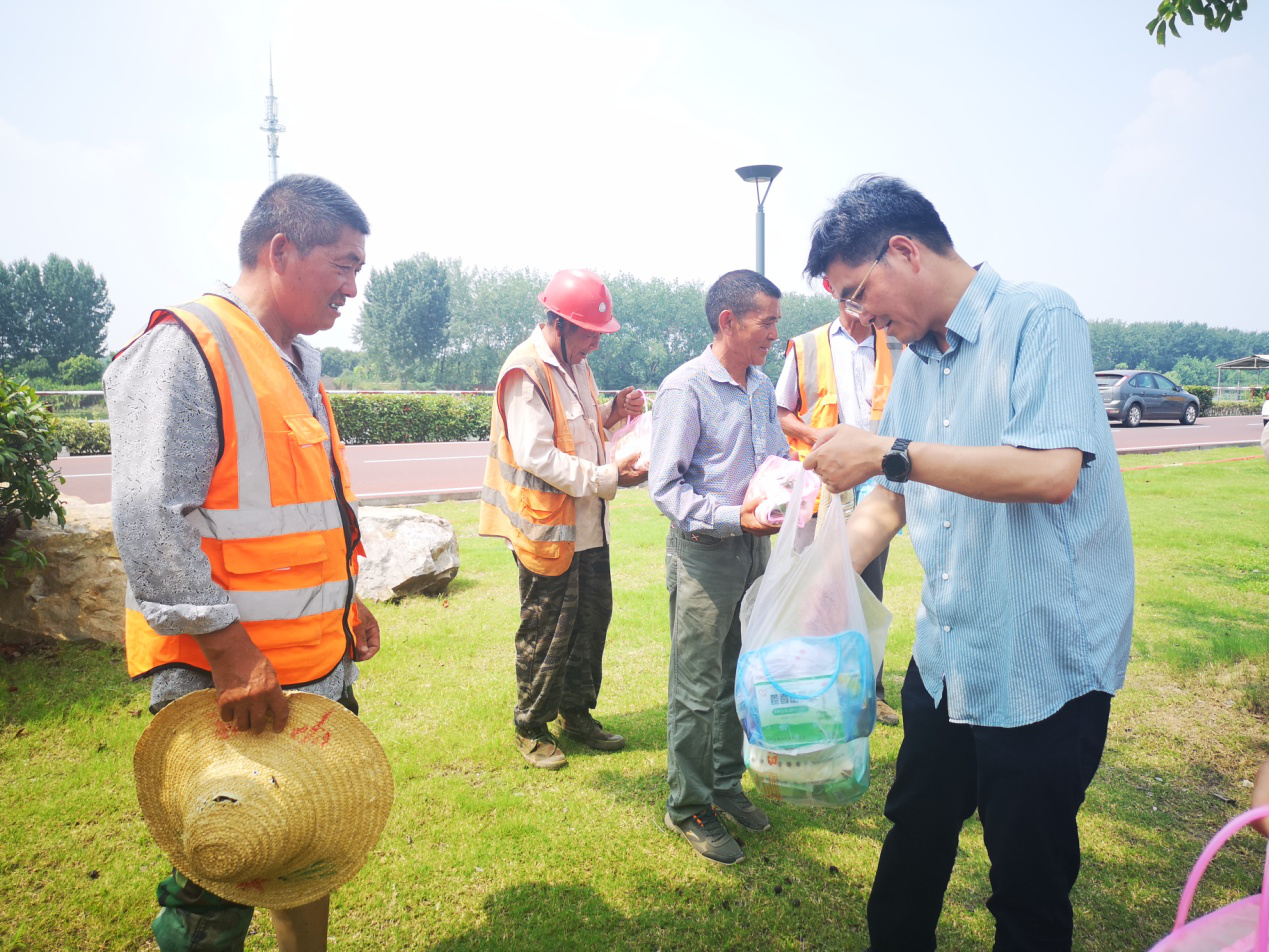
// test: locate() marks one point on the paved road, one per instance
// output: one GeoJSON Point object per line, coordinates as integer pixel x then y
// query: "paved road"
{"type": "Point", "coordinates": [425, 472]}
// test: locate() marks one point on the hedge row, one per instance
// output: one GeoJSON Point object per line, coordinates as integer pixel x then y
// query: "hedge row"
{"type": "Point", "coordinates": [362, 419]}
{"type": "Point", "coordinates": [82, 437]}
{"type": "Point", "coordinates": [438, 418]}
{"type": "Point", "coordinates": [1234, 408]}
{"type": "Point", "coordinates": [1204, 395]}
{"type": "Point", "coordinates": [411, 418]}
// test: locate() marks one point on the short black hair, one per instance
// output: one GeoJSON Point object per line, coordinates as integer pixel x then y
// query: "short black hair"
{"type": "Point", "coordinates": [868, 214]}
{"type": "Point", "coordinates": [736, 291]}
{"type": "Point", "coordinates": [309, 210]}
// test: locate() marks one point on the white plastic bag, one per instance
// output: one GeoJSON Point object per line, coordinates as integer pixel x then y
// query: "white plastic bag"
{"type": "Point", "coordinates": [809, 589]}
{"type": "Point", "coordinates": [812, 638]}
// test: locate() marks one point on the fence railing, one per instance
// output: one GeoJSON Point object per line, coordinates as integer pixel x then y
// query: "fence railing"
{"type": "Point", "coordinates": [91, 404]}
{"type": "Point", "coordinates": [1222, 394]}
{"type": "Point", "coordinates": [83, 404]}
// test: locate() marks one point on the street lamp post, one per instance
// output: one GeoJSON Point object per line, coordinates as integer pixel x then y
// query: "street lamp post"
{"type": "Point", "coordinates": [760, 175]}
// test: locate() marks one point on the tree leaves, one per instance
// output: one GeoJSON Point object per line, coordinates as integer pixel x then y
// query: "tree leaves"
{"type": "Point", "coordinates": [54, 312]}
{"type": "Point", "coordinates": [1216, 14]}
{"type": "Point", "coordinates": [406, 314]}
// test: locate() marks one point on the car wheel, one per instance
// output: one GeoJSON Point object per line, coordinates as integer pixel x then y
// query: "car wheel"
{"type": "Point", "coordinates": [1132, 416]}
{"type": "Point", "coordinates": [1190, 414]}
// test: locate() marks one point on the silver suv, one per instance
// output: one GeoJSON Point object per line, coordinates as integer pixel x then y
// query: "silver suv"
{"type": "Point", "coordinates": [1131, 396]}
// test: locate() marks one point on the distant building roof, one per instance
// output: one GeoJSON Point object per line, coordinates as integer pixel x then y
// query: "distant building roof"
{"type": "Point", "coordinates": [1254, 362]}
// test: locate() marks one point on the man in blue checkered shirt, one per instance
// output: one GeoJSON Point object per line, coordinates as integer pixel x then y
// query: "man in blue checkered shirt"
{"type": "Point", "coordinates": [713, 424]}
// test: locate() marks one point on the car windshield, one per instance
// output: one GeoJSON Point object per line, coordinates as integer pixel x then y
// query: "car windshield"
{"type": "Point", "coordinates": [1108, 379]}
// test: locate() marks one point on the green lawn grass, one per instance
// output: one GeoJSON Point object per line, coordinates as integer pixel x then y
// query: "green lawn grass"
{"type": "Point", "coordinates": [483, 852]}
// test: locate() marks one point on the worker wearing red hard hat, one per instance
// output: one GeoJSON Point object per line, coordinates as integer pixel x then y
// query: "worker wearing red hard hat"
{"type": "Point", "coordinates": [548, 481]}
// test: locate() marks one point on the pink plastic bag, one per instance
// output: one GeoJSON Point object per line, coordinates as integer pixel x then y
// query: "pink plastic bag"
{"type": "Point", "coordinates": [1242, 926]}
{"type": "Point", "coordinates": [633, 440]}
{"type": "Point", "coordinates": [773, 484]}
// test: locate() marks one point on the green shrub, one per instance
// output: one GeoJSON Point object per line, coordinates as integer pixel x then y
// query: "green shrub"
{"type": "Point", "coordinates": [365, 418]}
{"type": "Point", "coordinates": [83, 437]}
{"type": "Point", "coordinates": [1204, 395]}
{"type": "Point", "coordinates": [28, 484]}
{"type": "Point", "coordinates": [31, 369]}
{"type": "Point", "coordinates": [80, 370]}
{"type": "Point", "coordinates": [1234, 408]}
{"type": "Point", "coordinates": [1257, 393]}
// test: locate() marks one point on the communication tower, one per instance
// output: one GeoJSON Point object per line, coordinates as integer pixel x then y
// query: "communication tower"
{"type": "Point", "coordinates": [271, 127]}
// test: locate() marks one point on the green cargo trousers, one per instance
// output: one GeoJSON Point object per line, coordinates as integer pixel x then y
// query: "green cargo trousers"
{"type": "Point", "coordinates": [706, 577]}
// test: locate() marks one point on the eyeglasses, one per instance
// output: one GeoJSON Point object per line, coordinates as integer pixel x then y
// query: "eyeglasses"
{"type": "Point", "coordinates": [851, 304]}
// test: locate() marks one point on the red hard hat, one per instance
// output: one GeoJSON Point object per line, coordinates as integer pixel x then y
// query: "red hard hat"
{"type": "Point", "coordinates": [581, 298]}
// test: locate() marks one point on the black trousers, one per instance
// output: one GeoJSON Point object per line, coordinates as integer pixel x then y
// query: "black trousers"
{"type": "Point", "coordinates": [1027, 784]}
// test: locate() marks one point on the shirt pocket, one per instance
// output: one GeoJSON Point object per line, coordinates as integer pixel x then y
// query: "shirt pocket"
{"type": "Point", "coordinates": [306, 441]}
{"type": "Point", "coordinates": [274, 563]}
{"type": "Point", "coordinates": [826, 411]}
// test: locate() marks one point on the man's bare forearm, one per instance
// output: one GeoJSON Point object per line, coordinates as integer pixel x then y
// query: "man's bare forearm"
{"type": "Point", "coordinates": [848, 456]}
{"type": "Point", "coordinates": [875, 521]}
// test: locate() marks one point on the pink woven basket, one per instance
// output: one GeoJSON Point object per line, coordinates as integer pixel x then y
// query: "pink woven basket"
{"type": "Point", "coordinates": [1242, 926]}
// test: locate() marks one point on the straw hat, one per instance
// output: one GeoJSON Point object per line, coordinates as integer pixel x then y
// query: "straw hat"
{"type": "Point", "coordinates": [268, 820]}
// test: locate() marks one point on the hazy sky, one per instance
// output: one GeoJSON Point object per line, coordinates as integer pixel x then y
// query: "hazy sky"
{"type": "Point", "coordinates": [1058, 141]}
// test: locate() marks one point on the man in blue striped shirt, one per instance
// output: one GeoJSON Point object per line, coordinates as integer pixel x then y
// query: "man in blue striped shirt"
{"type": "Point", "coordinates": [713, 423]}
{"type": "Point", "coordinates": [995, 452]}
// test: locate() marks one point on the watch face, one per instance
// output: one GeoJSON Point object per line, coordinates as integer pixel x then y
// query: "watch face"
{"type": "Point", "coordinates": [895, 466]}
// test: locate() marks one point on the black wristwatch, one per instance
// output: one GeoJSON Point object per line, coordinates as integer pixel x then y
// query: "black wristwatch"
{"type": "Point", "coordinates": [895, 465]}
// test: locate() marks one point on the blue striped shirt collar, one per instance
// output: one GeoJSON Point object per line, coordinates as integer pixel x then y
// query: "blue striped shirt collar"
{"type": "Point", "coordinates": [966, 319]}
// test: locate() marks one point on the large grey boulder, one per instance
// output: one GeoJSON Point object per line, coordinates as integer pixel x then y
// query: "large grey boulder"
{"type": "Point", "coordinates": [78, 595]}
{"type": "Point", "coordinates": [408, 552]}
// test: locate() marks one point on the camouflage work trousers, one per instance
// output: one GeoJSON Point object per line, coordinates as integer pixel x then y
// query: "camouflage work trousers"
{"type": "Point", "coordinates": [560, 641]}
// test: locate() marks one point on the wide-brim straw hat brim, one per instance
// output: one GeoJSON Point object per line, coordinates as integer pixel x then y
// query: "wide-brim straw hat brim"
{"type": "Point", "coordinates": [320, 790]}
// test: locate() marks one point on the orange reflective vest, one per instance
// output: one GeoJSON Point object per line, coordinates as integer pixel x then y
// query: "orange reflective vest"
{"type": "Point", "coordinates": [280, 533]}
{"type": "Point", "coordinates": [537, 519]}
{"type": "Point", "coordinates": [817, 382]}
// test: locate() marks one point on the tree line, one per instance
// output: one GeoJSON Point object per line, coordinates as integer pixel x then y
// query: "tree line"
{"type": "Point", "coordinates": [432, 324]}
{"type": "Point", "coordinates": [53, 321]}
{"type": "Point", "coordinates": [438, 324]}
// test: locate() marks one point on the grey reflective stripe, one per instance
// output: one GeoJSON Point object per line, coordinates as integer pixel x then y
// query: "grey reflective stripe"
{"type": "Point", "coordinates": [531, 530]}
{"type": "Point", "coordinates": [537, 371]}
{"type": "Point", "coordinates": [253, 459]}
{"type": "Point", "coordinates": [273, 521]}
{"type": "Point", "coordinates": [291, 603]}
{"type": "Point", "coordinates": [521, 477]}
{"type": "Point", "coordinates": [129, 600]}
{"type": "Point", "coordinates": [895, 346]}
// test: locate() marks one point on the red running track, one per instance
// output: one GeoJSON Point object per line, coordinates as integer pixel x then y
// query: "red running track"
{"type": "Point", "coordinates": [426, 472]}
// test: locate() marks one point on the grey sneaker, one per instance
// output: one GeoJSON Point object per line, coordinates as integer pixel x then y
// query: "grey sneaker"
{"type": "Point", "coordinates": [741, 809]}
{"type": "Point", "coordinates": [707, 836]}
{"type": "Point", "coordinates": [541, 750]}
{"type": "Point", "coordinates": [886, 714]}
{"type": "Point", "coordinates": [580, 726]}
